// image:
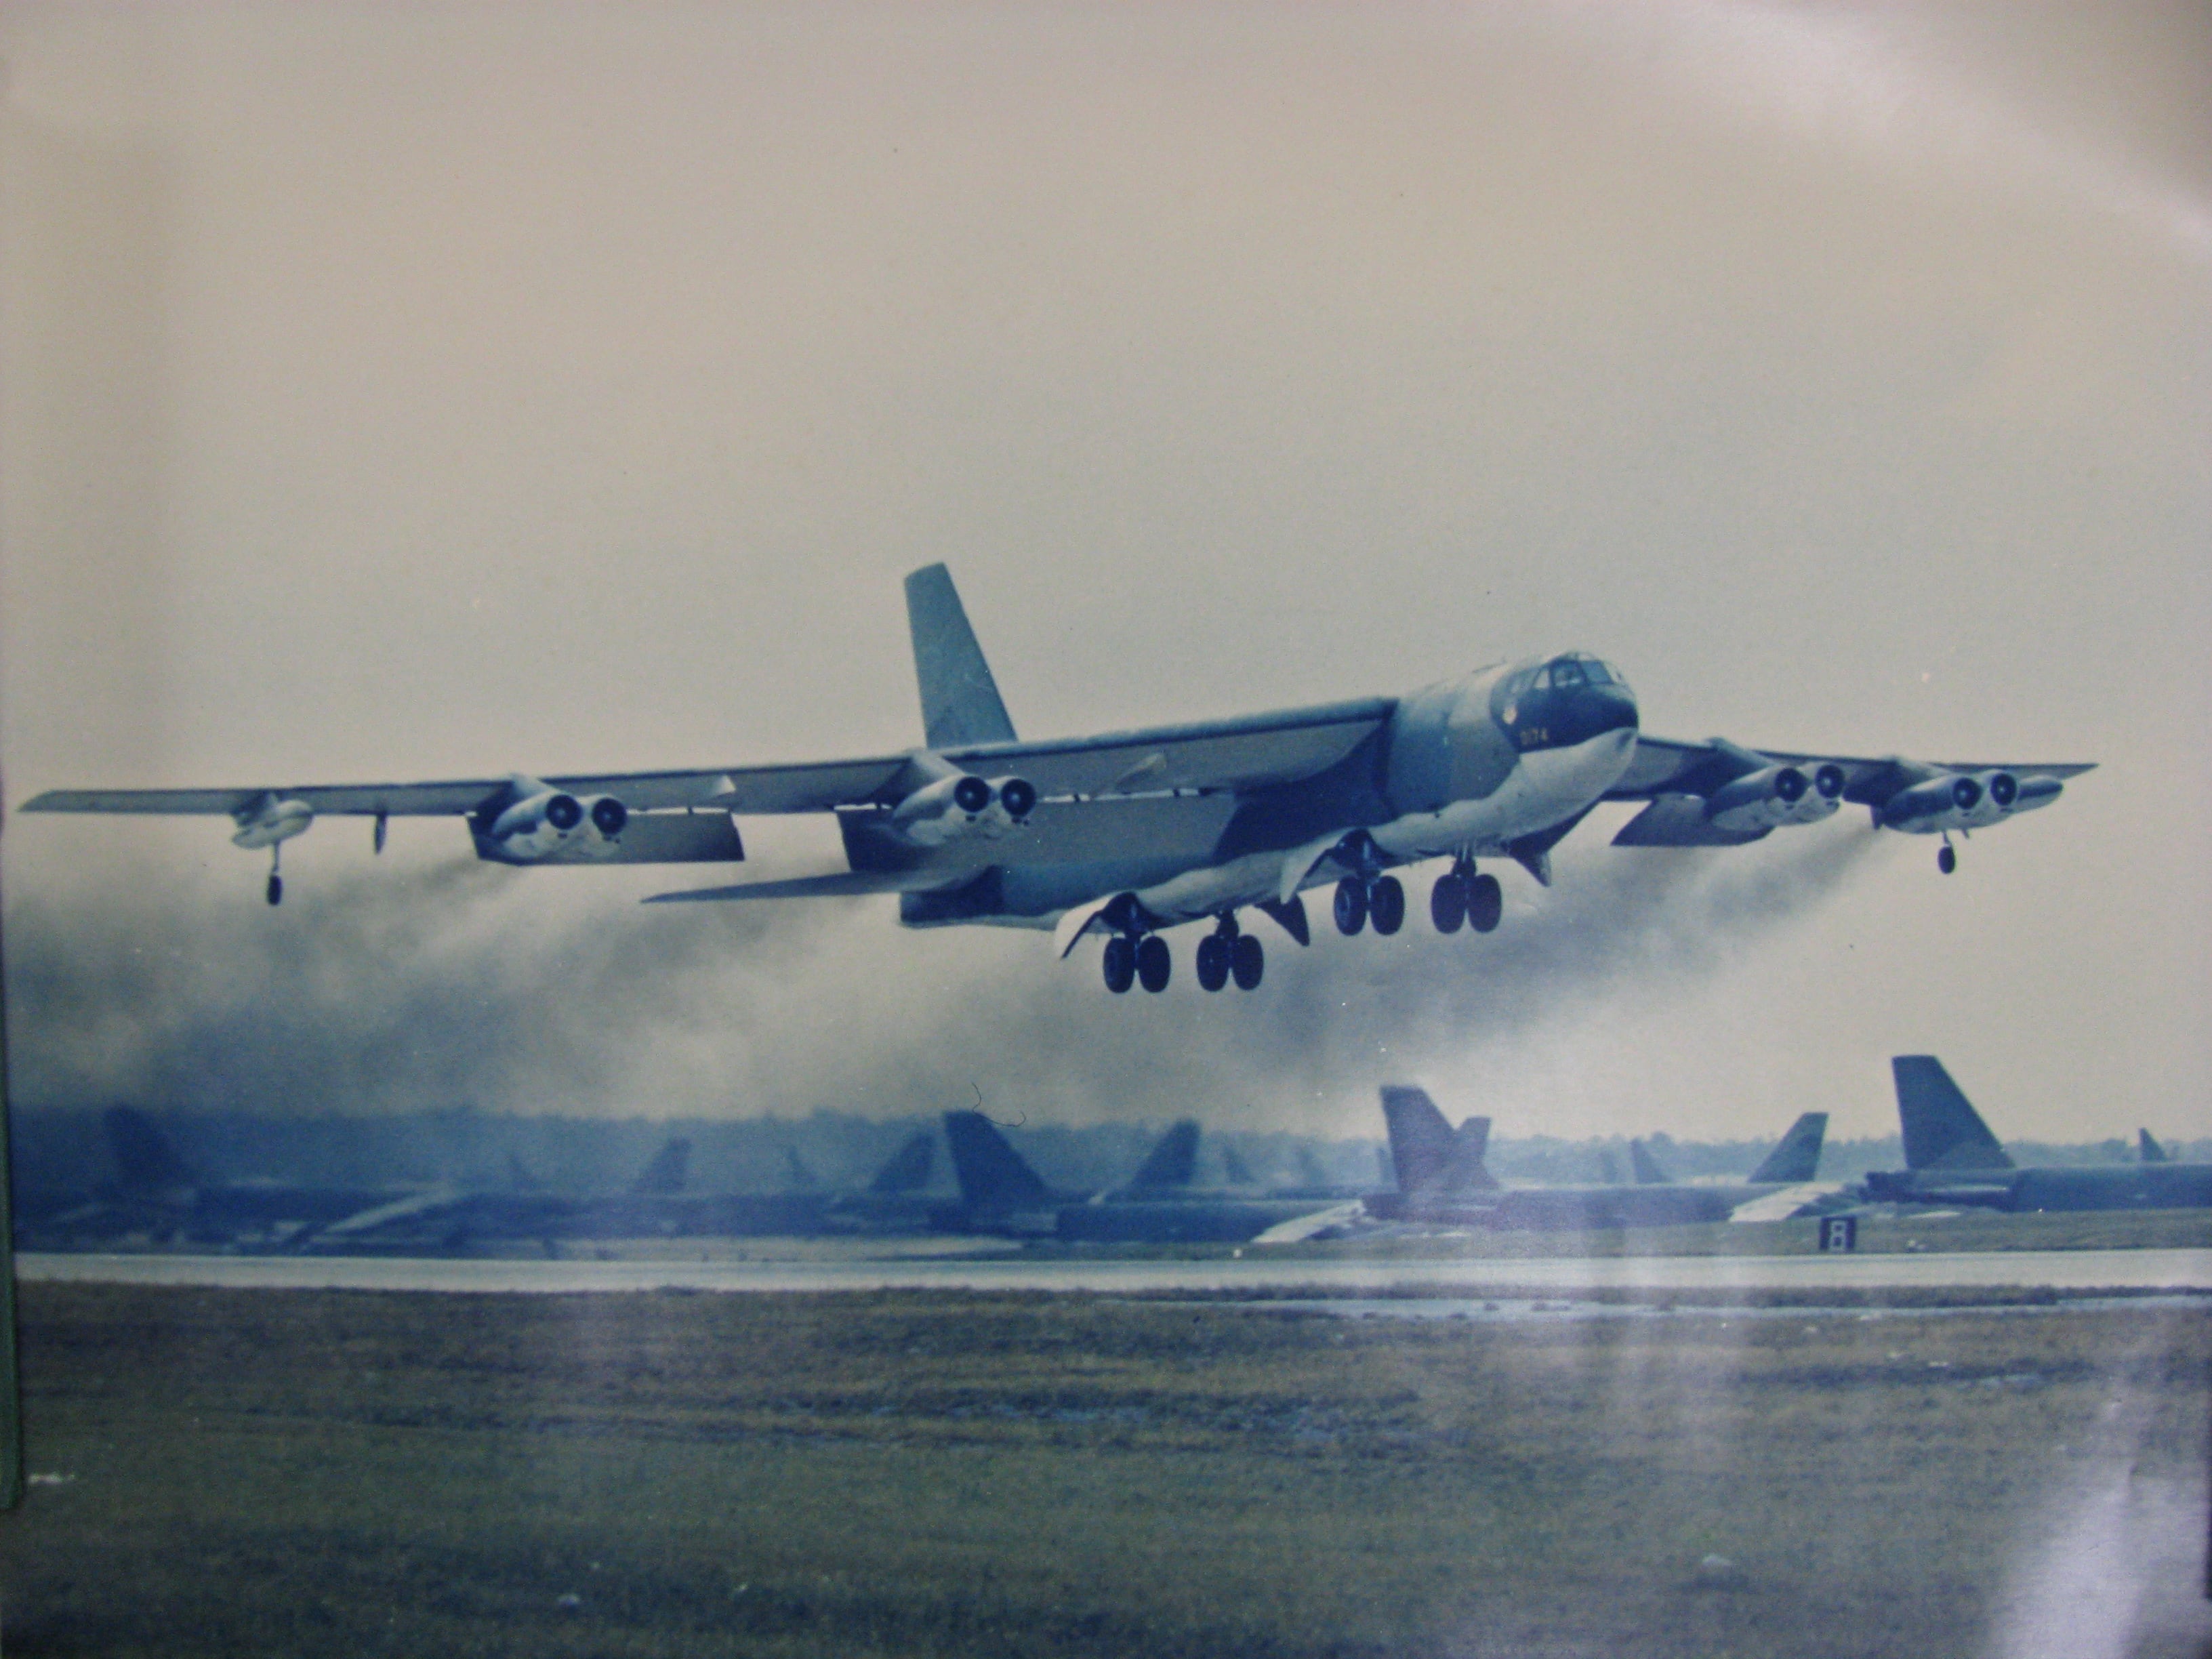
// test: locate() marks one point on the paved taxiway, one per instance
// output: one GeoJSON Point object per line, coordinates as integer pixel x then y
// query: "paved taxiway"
{"type": "Point", "coordinates": [2067, 1270]}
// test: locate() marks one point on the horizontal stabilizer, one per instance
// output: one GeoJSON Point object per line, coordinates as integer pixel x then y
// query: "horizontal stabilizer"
{"type": "Point", "coordinates": [1788, 1202]}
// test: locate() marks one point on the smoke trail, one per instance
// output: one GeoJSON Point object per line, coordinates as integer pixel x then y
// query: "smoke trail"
{"type": "Point", "coordinates": [457, 984]}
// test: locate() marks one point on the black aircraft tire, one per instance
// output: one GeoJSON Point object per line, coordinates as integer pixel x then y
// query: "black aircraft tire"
{"type": "Point", "coordinates": [1121, 965]}
{"type": "Point", "coordinates": [276, 888]}
{"type": "Point", "coordinates": [1485, 904]}
{"type": "Point", "coordinates": [1154, 965]}
{"type": "Point", "coordinates": [1247, 961]}
{"type": "Point", "coordinates": [1946, 860]}
{"type": "Point", "coordinates": [1351, 906]}
{"type": "Point", "coordinates": [1448, 902]}
{"type": "Point", "coordinates": [1212, 962]}
{"type": "Point", "coordinates": [1386, 905]}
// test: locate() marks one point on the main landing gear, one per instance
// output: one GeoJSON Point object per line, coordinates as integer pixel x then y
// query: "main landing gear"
{"type": "Point", "coordinates": [1230, 952]}
{"type": "Point", "coordinates": [1225, 954]}
{"type": "Point", "coordinates": [1142, 960]}
{"type": "Point", "coordinates": [1461, 896]}
{"type": "Point", "coordinates": [276, 878]}
{"type": "Point", "coordinates": [1381, 901]}
{"type": "Point", "coordinates": [1946, 857]}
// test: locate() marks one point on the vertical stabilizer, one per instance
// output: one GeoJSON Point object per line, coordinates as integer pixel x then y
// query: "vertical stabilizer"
{"type": "Point", "coordinates": [1421, 1142]}
{"type": "Point", "coordinates": [908, 1168]}
{"type": "Point", "coordinates": [1172, 1161]}
{"type": "Point", "coordinates": [1648, 1172]}
{"type": "Point", "coordinates": [1234, 1169]}
{"type": "Point", "coordinates": [664, 1176]}
{"type": "Point", "coordinates": [1942, 1130]}
{"type": "Point", "coordinates": [960, 702]}
{"type": "Point", "coordinates": [143, 1156]}
{"type": "Point", "coordinates": [1608, 1169]}
{"type": "Point", "coordinates": [2148, 1149]}
{"type": "Point", "coordinates": [1796, 1156]}
{"type": "Point", "coordinates": [991, 1173]}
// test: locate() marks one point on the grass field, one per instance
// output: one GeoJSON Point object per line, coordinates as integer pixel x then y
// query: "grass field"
{"type": "Point", "coordinates": [233, 1472]}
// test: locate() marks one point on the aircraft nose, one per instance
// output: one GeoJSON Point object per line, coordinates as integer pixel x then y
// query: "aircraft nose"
{"type": "Point", "coordinates": [1605, 709]}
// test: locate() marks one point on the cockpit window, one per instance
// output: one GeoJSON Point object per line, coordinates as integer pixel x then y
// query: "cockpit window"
{"type": "Point", "coordinates": [1598, 672]}
{"type": "Point", "coordinates": [1566, 673]}
{"type": "Point", "coordinates": [1542, 681]}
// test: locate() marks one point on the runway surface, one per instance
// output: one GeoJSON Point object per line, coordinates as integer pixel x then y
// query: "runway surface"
{"type": "Point", "coordinates": [2067, 1270]}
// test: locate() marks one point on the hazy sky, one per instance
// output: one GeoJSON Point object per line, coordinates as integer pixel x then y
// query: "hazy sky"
{"type": "Point", "coordinates": [437, 391]}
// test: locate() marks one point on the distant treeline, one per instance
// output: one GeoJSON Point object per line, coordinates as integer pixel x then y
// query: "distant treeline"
{"type": "Point", "coordinates": [69, 1151]}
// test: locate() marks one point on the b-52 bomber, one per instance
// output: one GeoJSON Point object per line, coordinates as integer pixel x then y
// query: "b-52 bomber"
{"type": "Point", "coordinates": [1133, 833]}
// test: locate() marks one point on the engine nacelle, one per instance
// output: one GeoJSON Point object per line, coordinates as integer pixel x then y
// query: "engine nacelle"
{"type": "Point", "coordinates": [964, 806]}
{"type": "Point", "coordinates": [550, 823]}
{"type": "Point", "coordinates": [1953, 801]}
{"type": "Point", "coordinates": [1778, 795]}
{"type": "Point", "coordinates": [269, 821]}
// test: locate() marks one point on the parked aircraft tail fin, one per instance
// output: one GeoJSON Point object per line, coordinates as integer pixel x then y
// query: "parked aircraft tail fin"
{"type": "Point", "coordinates": [1234, 1169]}
{"type": "Point", "coordinates": [2150, 1151]}
{"type": "Point", "coordinates": [1796, 1156]}
{"type": "Point", "coordinates": [143, 1156]}
{"type": "Point", "coordinates": [992, 1174]}
{"type": "Point", "coordinates": [1173, 1160]}
{"type": "Point", "coordinates": [1608, 1168]}
{"type": "Point", "coordinates": [908, 1168]}
{"type": "Point", "coordinates": [664, 1173]}
{"type": "Point", "coordinates": [960, 701]}
{"type": "Point", "coordinates": [1648, 1172]}
{"type": "Point", "coordinates": [798, 1174]}
{"type": "Point", "coordinates": [1942, 1130]}
{"type": "Point", "coordinates": [1468, 1173]}
{"type": "Point", "coordinates": [1421, 1141]}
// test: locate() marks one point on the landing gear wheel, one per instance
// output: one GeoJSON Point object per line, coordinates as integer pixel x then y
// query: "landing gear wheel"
{"type": "Point", "coordinates": [1946, 860]}
{"type": "Point", "coordinates": [1448, 902]}
{"type": "Point", "coordinates": [277, 889]}
{"type": "Point", "coordinates": [1351, 906]}
{"type": "Point", "coordinates": [1153, 963]}
{"type": "Point", "coordinates": [1121, 965]}
{"type": "Point", "coordinates": [1247, 961]}
{"type": "Point", "coordinates": [1386, 905]}
{"type": "Point", "coordinates": [1212, 962]}
{"type": "Point", "coordinates": [1485, 904]}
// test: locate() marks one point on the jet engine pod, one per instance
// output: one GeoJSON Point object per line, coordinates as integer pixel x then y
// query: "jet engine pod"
{"type": "Point", "coordinates": [1018, 796]}
{"type": "Point", "coordinates": [971, 795]}
{"type": "Point", "coordinates": [1949, 802]}
{"type": "Point", "coordinates": [537, 826]}
{"type": "Point", "coordinates": [1774, 796]}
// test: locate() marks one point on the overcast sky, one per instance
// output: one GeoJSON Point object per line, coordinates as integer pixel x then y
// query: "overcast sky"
{"type": "Point", "coordinates": [444, 391]}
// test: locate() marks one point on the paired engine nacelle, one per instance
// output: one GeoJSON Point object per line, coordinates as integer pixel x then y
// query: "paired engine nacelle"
{"type": "Point", "coordinates": [1962, 800]}
{"type": "Point", "coordinates": [552, 823]}
{"type": "Point", "coordinates": [1776, 795]}
{"type": "Point", "coordinates": [962, 807]}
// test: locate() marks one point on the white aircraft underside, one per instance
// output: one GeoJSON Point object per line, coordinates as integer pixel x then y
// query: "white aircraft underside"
{"type": "Point", "coordinates": [1132, 832]}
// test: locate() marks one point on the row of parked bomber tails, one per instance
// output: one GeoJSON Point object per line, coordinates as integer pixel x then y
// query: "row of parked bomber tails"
{"type": "Point", "coordinates": [1436, 1176]}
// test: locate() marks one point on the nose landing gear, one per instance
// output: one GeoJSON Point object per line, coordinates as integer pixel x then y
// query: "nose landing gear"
{"type": "Point", "coordinates": [276, 878]}
{"type": "Point", "coordinates": [1946, 857]}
